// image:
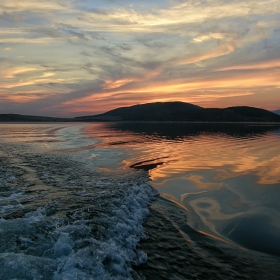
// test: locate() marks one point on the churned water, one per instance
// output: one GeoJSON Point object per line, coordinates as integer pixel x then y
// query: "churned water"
{"type": "Point", "coordinates": [80, 201]}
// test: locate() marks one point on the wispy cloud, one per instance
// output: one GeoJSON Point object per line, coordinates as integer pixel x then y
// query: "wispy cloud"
{"type": "Point", "coordinates": [70, 56]}
{"type": "Point", "coordinates": [258, 65]}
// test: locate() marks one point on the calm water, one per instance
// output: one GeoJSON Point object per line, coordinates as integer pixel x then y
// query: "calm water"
{"type": "Point", "coordinates": [74, 198]}
{"type": "Point", "coordinates": [227, 176]}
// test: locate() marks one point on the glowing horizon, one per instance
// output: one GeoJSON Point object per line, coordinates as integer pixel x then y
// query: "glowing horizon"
{"type": "Point", "coordinates": [73, 58]}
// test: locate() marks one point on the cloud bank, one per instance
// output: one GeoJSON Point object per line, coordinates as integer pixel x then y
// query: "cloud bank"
{"type": "Point", "coordinates": [69, 58]}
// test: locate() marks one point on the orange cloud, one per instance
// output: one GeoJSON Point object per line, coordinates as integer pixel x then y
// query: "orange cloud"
{"type": "Point", "coordinates": [11, 73]}
{"type": "Point", "coordinates": [209, 54]}
{"type": "Point", "coordinates": [189, 90]}
{"type": "Point", "coordinates": [253, 66]}
{"type": "Point", "coordinates": [22, 98]}
{"type": "Point", "coordinates": [113, 84]}
{"type": "Point", "coordinates": [202, 38]}
{"type": "Point", "coordinates": [110, 84]}
{"type": "Point", "coordinates": [173, 39]}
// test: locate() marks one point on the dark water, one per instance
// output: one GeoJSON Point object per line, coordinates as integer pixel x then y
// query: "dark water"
{"type": "Point", "coordinates": [226, 175]}
{"type": "Point", "coordinates": [74, 198]}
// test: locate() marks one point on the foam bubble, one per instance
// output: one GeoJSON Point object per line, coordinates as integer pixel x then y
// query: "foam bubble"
{"type": "Point", "coordinates": [73, 222]}
{"type": "Point", "coordinates": [110, 257]}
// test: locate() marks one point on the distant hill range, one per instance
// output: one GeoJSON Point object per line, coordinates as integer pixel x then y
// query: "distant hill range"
{"type": "Point", "coordinates": [163, 111]}
{"type": "Point", "coordinates": [277, 112]}
{"type": "Point", "coordinates": [26, 118]}
{"type": "Point", "coordinates": [180, 111]}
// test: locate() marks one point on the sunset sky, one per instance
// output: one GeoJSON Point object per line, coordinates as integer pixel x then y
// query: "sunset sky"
{"type": "Point", "coordinates": [81, 57]}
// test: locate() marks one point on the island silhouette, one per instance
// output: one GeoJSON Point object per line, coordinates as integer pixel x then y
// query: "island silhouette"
{"type": "Point", "coordinates": [162, 111]}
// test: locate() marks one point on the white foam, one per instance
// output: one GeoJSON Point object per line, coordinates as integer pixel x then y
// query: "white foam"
{"type": "Point", "coordinates": [87, 224]}
{"type": "Point", "coordinates": [70, 251]}
{"type": "Point", "coordinates": [12, 196]}
{"type": "Point", "coordinates": [36, 216]}
{"type": "Point", "coordinates": [112, 256]}
{"type": "Point", "coordinates": [20, 266]}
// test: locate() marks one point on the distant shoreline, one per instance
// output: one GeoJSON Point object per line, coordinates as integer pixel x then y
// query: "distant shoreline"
{"type": "Point", "coordinates": [190, 122]}
{"type": "Point", "coordinates": [162, 112]}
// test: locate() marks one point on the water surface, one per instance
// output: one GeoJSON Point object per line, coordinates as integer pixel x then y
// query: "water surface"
{"type": "Point", "coordinates": [227, 176]}
{"type": "Point", "coordinates": [75, 197]}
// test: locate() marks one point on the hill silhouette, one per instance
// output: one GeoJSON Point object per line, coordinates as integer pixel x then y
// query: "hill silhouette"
{"type": "Point", "coordinates": [277, 112]}
{"type": "Point", "coordinates": [180, 111]}
{"type": "Point", "coordinates": [162, 111]}
{"type": "Point", "coordinates": [27, 118]}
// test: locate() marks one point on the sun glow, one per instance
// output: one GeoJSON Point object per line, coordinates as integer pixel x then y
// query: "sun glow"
{"type": "Point", "coordinates": [101, 55]}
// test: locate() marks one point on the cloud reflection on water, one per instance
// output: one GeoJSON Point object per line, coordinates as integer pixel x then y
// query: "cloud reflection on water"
{"type": "Point", "coordinates": [225, 174]}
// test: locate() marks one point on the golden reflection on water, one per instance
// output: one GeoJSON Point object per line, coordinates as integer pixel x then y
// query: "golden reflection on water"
{"type": "Point", "coordinates": [173, 199]}
{"type": "Point", "coordinates": [179, 157]}
{"type": "Point", "coordinates": [228, 156]}
{"type": "Point", "coordinates": [221, 239]}
{"type": "Point", "coordinates": [228, 183]}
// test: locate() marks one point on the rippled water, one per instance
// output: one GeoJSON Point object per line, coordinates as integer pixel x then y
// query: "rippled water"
{"type": "Point", "coordinates": [227, 176]}
{"type": "Point", "coordinates": [72, 205]}
{"type": "Point", "coordinates": [61, 218]}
